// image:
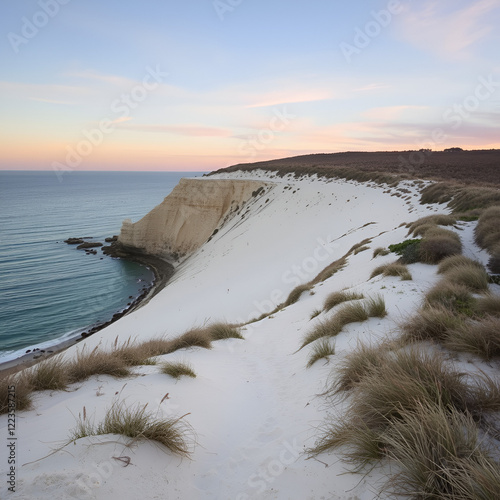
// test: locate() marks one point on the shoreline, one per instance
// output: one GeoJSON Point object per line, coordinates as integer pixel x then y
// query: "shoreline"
{"type": "Point", "coordinates": [162, 271]}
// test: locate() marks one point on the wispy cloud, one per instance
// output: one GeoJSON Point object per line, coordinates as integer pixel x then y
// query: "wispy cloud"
{"type": "Point", "coordinates": [440, 26]}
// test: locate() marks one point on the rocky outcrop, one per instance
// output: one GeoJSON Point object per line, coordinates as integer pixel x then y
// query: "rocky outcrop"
{"type": "Point", "coordinates": [188, 216]}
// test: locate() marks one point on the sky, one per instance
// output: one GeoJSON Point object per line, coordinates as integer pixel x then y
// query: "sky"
{"type": "Point", "coordinates": [198, 85]}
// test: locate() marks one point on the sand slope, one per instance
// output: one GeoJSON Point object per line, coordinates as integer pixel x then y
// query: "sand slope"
{"type": "Point", "coordinates": [254, 405]}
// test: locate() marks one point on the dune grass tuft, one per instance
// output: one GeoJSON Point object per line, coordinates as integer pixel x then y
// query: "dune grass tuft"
{"type": "Point", "coordinates": [433, 322]}
{"type": "Point", "coordinates": [48, 375]}
{"type": "Point", "coordinates": [376, 307]}
{"type": "Point", "coordinates": [197, 337]}
{"type": "Point", "coordinates": [454, 261]}
{"type": "Point", "coordinates": [315, 313]}
{"type": "Point", "coordinates": [15, 390]}
{"type": "Point", "coordinates": [136, 424]}
{"type": "Point", "coordinates": [488, 305]}
{"type": "Point", "coordinates": [380, 251]}
{"type": "Point", "coordinates": [222, 331]}
{"type": "Point", "coordinates": [431, 220]}
{"type": "Point", "coordinates": [394, 269]}
{"type": "Point", "coordinates": [440, 455]}
{"type": "Point", "coordinates": [337, 298]}
{"type": "Point", "coordinates": [474, 278]}
{"type": "Point", "coordinates": [95, 362]}
{"type": "Point", "coordinates": [296, 293]}
{"type": "Point", "coordinates": [356, 365]}
{"type": "Point", "coordinates": [320, 350]}
{"type": "Point", "coordinates": [178, 369]}
{"type": "Point", "coordinates": [349, 313]}
{"type": "Point", "coordinates": [454, 297]}
{"type": "Point", "coordinates": [437, 244]}
{"type": "Point", "coordinates": [481, 338]}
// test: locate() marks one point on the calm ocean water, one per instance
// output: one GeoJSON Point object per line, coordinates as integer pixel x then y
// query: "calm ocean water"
{"type": "Point", "coordinates": [48, 289]}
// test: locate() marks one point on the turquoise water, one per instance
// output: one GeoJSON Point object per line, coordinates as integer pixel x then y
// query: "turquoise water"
{"type": "Point", "coordinates": [48, 289]}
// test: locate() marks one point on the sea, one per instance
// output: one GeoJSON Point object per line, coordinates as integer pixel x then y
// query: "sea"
{"type": "Point", "coordinates": [49, 291]}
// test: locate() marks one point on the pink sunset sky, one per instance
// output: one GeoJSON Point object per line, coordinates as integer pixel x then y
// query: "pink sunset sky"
{"type": "Point", "coordinates": [204, 84]}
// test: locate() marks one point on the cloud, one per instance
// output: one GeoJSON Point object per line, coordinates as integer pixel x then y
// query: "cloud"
{"type": "Point", "coordinates": [440, 26]}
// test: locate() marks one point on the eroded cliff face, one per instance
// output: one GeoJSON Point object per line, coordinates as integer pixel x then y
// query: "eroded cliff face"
{"type": "Point", "coordinates": [187, 217]}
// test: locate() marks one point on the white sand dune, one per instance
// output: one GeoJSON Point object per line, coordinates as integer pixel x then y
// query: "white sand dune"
{"type": "Point", "coordinates": [254, 406]}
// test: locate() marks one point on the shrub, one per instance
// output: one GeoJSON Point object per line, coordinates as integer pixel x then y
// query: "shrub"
{"type": "Point", "coordinates": [474, 278]}
{"type": "Point", "coordinates": [399, 248]}
{"type": "Point", "coordinates": [481, 338]}
{"type": "Point", "coordinates": [455, 297]}
{"type": "Point", "coordinates": [50, 375]}
{"type": "Point", "coordinates": [380, 251]}
{"type": "Point", "coordinates": [320, 350]}
{"type": "Point", "coordinates": [394, 269]}
{"type": "Point", "coordinates": [430, 323]}
{"type": "Point", "coordinates": [457, 261]}
{"type": "Point", "coordinates": [221, 331]}
{"type": "Point", "coordinates": [18, 384]}
{"type": "Point", "coordinates": [336, 298]}
{"type": "Point", "coordinates": [435, 248]}
{"type": "Point", "coordinates": [295, 294]}
{"type": "Point", "coordinates": [177, 370]}
{"type": "Point", "coordinates": [95, 362]}
{"type": "Point", "coordinates": [135, 423]}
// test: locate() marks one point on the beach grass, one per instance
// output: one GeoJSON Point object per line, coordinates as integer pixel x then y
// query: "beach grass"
{"type": "Point", "coordinates": [178, 369]}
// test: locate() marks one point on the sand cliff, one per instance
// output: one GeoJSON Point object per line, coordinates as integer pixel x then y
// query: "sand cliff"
{"type": "Point", "coordinates": [188, 216]}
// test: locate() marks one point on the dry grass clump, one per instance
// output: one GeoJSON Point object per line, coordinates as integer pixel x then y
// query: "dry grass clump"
{"type": "Point", "coordinates": [430, 221]}
{"type": "Point", "coordinates": [380, 251]}
{"type": "Point", "coordinates": [438, 244]}
{"type": "Point", "coordinates": [15, 390]}
{"type": "Point", "coordinates": [133, 354]}
{"type": "Point", "coordinates": [320, 350]}
{"type": "Point", "coordinates": [488, 305]}
{"type": "Point", "coordinates": [433, 322]}
{"type": "Point", "coordinates": [453, 296]}
{"type": "Point", "coordinates": [356, 312]}
{"type": "Point", "coordinates": [295, 294]}
{"type": "Point", "coordinates": [136, 424]}
{"type": "Point", "coordinates": [326, 328]}
{"type": "Point", "coordinates": [222, 331]}
{"type": "Point", "coordinates": [178, 369]}
{"type": "Point", "coordinates": [95, 362]}
{"type": "Point", "coordinates": [375, 307]}
{"type": "Point", "coordinates": [336, 298]}
{"type": "Point", "coordinates": [440, 455]}
{"type": "Point", "coordinates": [394, 269]}
{"type": "Point", "coordinates": [197, 337]}
{"type": "Point", "coordinates": [487, 232]}
{"type": "Point", "coordinates": [356, 365]}
{"type": "Point", "coordinates": [481, 338]}
{"type": "Point", "coordinates": [330, 270]}
{"type": "Point", "coordinates": [474, 278]}
{"type": "Point", "coordinates": [457, 261]}
{"type": "Point", "coordinates": [388, 394]}
{"type": "Point", "coordinates": [48, 375]}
